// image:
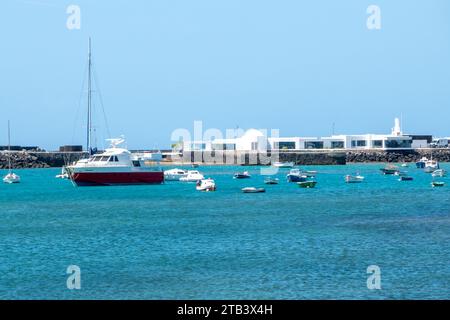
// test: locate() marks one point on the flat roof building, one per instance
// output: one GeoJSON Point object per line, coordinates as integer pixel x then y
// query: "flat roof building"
{"type": "Point", "coordinates": [255, 140]}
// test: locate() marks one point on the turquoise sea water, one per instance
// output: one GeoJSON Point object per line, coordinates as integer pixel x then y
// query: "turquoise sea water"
{"type": "Point", "coordinates": [173, 242]}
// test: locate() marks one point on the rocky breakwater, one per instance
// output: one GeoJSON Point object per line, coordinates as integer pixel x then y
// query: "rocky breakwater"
{"type": "Point", "coordinates": [24, 160]}
{"type": "Point", "coordinates": [21, 160]}
{"type": "Point", "coordinates": [442, 155]}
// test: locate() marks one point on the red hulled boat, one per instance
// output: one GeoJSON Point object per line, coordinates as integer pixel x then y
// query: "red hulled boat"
{"type": "Point", "coordinates": [117, 166]}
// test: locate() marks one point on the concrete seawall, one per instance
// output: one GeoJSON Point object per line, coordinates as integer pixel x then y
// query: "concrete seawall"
{"type": "Point", "coordinates": [303, 157]}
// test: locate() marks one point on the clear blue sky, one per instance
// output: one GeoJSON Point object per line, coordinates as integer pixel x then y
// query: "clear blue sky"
{"type": "Point", "coordinates": [294, 65]}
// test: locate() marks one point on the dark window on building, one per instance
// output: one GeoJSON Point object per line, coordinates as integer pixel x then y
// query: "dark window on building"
{"type": "Point", "coordinates": [358, 143]}
{"type": "Point", "coordinates": [285, 145]}
{"type": "Point", "coordinates": [314, 145]}
{"type": "Point", "coordinates": [377, 143]}
{"type": "Point", "coordinates": [398, 144]}
{"type": "Point", "coordinates": [337, 144]}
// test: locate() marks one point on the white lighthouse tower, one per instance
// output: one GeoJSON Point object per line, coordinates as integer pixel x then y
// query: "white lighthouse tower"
{"type": "Point", "coordinates": [397, 130]}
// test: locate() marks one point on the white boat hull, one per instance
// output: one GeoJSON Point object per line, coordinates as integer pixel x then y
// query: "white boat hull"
{"type": "Point", "coordinates": [11, 178]}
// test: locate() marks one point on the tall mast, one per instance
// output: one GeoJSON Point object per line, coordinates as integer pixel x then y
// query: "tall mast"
{"type": "Point", "coordinates": [9, 147]}
{"type": "Point", "coordinates": [89, 115]}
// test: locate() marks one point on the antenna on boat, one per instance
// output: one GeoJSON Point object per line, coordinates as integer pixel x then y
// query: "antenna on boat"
{"type": "Point", "coordinates": [89, 102]}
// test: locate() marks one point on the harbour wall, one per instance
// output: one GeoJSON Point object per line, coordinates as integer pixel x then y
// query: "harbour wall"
{"type": "Point", "coordinates": [411, 155]}
{"type": "Point", "coordinates": [24, 159]}
{"type": "Point", "coordinates": [259, 158]}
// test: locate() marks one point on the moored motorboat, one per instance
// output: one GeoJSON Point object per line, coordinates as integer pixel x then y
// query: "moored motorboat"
{"type": "Point", "coordinates": [242, 175]}
{"type": "Point", "coordinates": [431, 165]}
{"type": "Point", "coordinates": [270, 180]}
{"type": "Point", "coordinates": [280, 164]}
{"type": "Point", "coordinates": [401, 173]}
{"type": "Point", "coordinates": [115, 166]}
{"type": "Point", "coordinates": [405, 165]}
{"type": "Point", "coordinates": [206, 185]}
{"type": "Point", "coordinates": [192, 176]}
{"type": "Point", "coordinates": [389, 170]}
{"type": "Point", "coordinates": [296, 175]}
{"type": "Point", "coordinates": [437, 184]}
{"type": "Point", "coordinates": [405, 178]}
{"type": "Point", "coordinates": [354, 179]}
{"type": "Point", "coordinates": [11, 178]}
{"type": "Point", "coordinates": [439, 173]}
{"type": "Point", "coordinates": [421, 163]}
{"type": "Point", "coordinates": [307, 184]}
{"type": "Point", "coordinates": [174, 174]}
{"type": "Point", "coordinates": [253, 190]}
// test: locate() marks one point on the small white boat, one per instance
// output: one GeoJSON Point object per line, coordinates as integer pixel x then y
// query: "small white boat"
{"type": "Point", "coordinates": [439, 173]}
{"type": "Point", "coordinates": [270, 180]}
{"type": "Point", "coordinates": [174, 174]}
{"type": "Point", "coordinates": [431, 165]}
{"type": "Point", "coordinates": [64, 174]}
{"type": "Point", "coordinates": [437, 184]}
{"type": "Point", "coordinates": [279, 164]}
{"type": "Point", "coordinates": [405, 165]}
{"type": "Point", "coordinates": [296, 175]}
{"type": "Point", "coordinates": [353, 179]}
{"type": "Point", "coordinates": [253, 190]}
{"type": "Point", "coordinates": [192, 176]}
{"type": "Point", "coordinates": [421, 163]}
{"type": "Point", "coordinates": [11, 178]}
{"type": "Point", "coordinates": [309, 173]}
{"type": "Point", "coordinates": [206, 185]}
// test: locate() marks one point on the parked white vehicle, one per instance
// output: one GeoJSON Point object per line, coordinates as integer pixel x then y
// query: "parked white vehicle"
{"type": "Point", "coordinates": [175, 174]}
{"type": "Point", "coordinates": [440, 143]}
{"type": "Point", "coordinates": [192, 176]}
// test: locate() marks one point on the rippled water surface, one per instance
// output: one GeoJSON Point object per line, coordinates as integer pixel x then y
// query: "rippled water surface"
{"type": "Point", "coordinates": [173, 242]}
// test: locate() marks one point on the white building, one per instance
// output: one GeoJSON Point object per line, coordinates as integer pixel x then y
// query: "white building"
{"type": "Point", "coordinates": [255, 140]}
{"type": "Point", "coordinates": [251, 140]}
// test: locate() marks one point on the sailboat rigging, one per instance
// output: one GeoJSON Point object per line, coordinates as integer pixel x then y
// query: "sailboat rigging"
{"type": "Point", "coordinates": [11, 177]}
{"type": "Point", "coordinates": [116, 165]}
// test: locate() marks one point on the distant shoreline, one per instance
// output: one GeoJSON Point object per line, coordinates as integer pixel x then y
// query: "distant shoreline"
{"type": "Point", "coordinates": [29, 159]}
